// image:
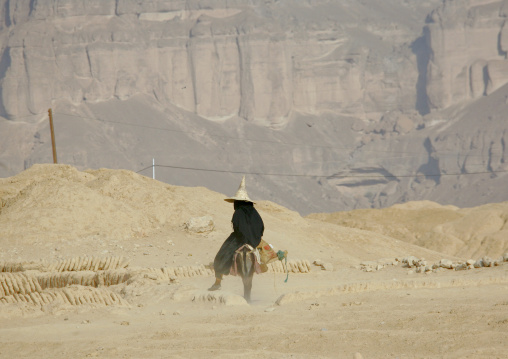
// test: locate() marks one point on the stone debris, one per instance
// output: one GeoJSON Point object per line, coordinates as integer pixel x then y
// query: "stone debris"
{"type": "Point", "coordinates": [327, 266]}
{"type": "Point", "coordinates": [371, 266]}
{"type": "Point", "coordinates": [420, 265]}
{"type": "Point", "coordinates": [461, 266]}
{"type": "Point", "coordinates": [203, 224]}
{"type": "Point", "coordinates": [412, 261]}
{"type": "Point", "coordinates": [446, 263]}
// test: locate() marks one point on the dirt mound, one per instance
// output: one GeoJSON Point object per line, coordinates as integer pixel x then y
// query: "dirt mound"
{"type": "Point", "coordinates": [84, 210]}
{"type": "Point", "coordinates": [60, 202]}
{"type": "Point", "coordinates": [468, 232]}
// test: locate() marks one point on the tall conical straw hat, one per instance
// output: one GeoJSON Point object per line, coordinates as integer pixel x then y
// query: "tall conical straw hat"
{"type": "Point", "coordinates": [241, 194]}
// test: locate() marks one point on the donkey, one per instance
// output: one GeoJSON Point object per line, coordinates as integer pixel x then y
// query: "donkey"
{"type": "Point", "coordinates": [245, 265]}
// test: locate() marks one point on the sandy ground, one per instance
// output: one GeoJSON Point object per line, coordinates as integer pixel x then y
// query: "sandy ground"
{"type": "Point", "coordinates": [117, 300]}
{"type": "Point", "coordinates": [387, 314]}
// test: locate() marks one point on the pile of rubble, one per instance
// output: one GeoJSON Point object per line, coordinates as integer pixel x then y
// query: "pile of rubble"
{"type": "Point", "coordinates": [371, 266]}
{"type": "Point", "coordinates": [420, 265]}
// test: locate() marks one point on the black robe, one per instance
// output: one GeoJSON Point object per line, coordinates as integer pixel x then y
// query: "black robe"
{"type": "Point", "coordinates": [248, 228]}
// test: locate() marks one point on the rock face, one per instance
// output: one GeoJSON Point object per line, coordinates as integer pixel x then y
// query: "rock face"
{"type": "Point", "coordinates": [218, 59]}
{"type": "Point", "coordinates": [469, 43]}
{"type": "Point", "coordinates": [352, 104]}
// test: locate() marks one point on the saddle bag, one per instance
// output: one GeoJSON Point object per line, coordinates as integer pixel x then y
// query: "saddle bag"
{"type": "Point", "coordinates": [266, 252]}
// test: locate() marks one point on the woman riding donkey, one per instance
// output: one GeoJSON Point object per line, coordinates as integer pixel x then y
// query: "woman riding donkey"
{"type": "Point", "coordinates": [248, 229]}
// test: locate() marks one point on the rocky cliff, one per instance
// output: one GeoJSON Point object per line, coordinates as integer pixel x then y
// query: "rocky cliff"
{"type": "Point", "coordinates": [261, 61]}
{"type": "Point", "coordinates": [468, 42]}
{"type": "Point", "coordinates": [344, 104]}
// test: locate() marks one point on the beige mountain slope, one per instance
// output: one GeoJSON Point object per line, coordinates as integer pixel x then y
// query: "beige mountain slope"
{"type": "Point", "coordinates": [466, 233]}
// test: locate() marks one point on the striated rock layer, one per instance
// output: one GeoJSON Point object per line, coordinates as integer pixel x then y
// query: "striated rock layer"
{"type": "Point", "coordinates": [469, 44]}
{"type": "Point", "coordinates": [325, 105]}
{"type": "Point", "coordinates": [260, 61]}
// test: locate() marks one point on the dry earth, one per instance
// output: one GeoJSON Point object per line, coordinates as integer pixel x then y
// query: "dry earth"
{"type": "Point", "coordinates": [101, 264]}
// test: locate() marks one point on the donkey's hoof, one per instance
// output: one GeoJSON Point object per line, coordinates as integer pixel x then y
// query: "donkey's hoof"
{"type": "Point", "coordinates": [214, 287]}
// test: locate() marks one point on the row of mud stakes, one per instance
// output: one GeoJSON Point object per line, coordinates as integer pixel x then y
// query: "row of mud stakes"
{"type": "Point", "coordinates": [93, 281]}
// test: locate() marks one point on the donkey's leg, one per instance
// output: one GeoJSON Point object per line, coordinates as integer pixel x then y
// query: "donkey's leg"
{"type": "Point", "coordinates": [247, 285]}
{"type": "Point", "coordinates": [248, 273]}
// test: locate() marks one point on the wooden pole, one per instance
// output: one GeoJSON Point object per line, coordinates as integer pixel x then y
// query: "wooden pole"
{"type": "Point", "coordinates": [52, 135]}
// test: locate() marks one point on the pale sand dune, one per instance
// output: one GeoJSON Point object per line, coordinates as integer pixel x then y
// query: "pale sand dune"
{"type": "Point", "coordinates": [100, 264]}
